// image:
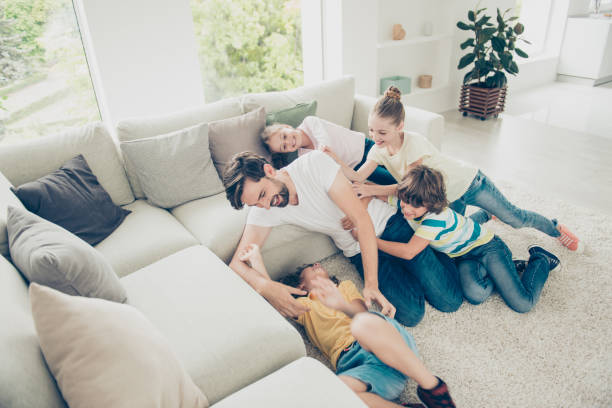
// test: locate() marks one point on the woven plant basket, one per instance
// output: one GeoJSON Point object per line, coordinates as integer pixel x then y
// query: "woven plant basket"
{"type": "Point", "coordinates": [482, 102]}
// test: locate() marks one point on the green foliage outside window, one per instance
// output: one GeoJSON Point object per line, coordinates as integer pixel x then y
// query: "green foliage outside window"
{"type": "Point", "coordinates": [248, 45]}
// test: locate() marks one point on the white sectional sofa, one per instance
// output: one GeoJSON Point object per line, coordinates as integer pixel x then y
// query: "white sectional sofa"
{"type": "Point", "coordinates": [235, 346]}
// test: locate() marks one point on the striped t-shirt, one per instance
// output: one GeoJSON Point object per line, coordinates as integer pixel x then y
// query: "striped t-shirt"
{"type": "Point", "coordinates": [450, 232]}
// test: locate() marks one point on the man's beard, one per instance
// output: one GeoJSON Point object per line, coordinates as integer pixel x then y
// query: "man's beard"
{"type": "Point", "coordinates": [283, 195]}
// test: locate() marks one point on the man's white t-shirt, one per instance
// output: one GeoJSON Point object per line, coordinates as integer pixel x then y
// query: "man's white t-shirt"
{"type": "Point", "coordinates": [458, 176]}
{"type": "Point", "coordinates": [313, 175]}
{"type": "Point", "coordinates": [346, 143]}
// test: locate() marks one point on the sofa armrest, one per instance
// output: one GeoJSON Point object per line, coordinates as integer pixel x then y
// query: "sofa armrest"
{"type": "Point", "coordinates": [429, 124]}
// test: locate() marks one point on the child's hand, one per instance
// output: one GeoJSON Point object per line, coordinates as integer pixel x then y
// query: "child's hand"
{"type": "Point", "coordinates": [252, 255]}
{"type": "Point", "coordinates": [363, 189]}
{"type": "Point", "coordinates": [347, 224]}
{"type": "Point", "coordinates": [328, 294]}
{"type": "Point", "coordinates": [329, 152]}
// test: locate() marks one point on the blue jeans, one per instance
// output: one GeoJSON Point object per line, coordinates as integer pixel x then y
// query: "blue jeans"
{"type": "Point", "coordinates": [490, 265]}
{"type": "Point", "coordinates": [483, 193]}
{"type": "Point", "coordinates": [406, 284]}
{"type": "Point", "coordinates": [380, 175]}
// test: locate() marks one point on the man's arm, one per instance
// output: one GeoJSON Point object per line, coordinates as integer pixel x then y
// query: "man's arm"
{"type": "Point", "coordinates": [343, 196]}
{"type": "Point", "coordinates": [276, 293]}
{"type": "Point", "coordinates": [252, 234]}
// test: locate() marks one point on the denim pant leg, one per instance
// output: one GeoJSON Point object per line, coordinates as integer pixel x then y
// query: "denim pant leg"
{"type": "Point", "coordinates": [381, 176]}
{"type": "Point", "coordinates": [435, 271]}
{"type": "Point", "coordinates": [483, 193]}
{"type": "Point", "coordinates": [399, 287]}
{"type": "Point", "coordinates": [459, 206]}
{"type": "Point", "coordinates": [475, 281]}
{"type": "Point", "coordinates": [519, 294]}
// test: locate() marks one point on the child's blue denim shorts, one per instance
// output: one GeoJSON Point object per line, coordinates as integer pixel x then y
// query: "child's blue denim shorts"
{"type": "Point", "coordinates": [367, 368]}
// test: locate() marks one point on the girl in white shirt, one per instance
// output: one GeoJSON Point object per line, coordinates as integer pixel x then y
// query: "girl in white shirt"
{"type": "Point", "coordinates": [318, 134]}
{"type": "Point", "coordinates": [398, 151]}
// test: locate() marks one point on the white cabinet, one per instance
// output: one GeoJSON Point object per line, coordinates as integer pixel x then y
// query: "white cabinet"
{"type": "Point", "coordinates": [586, 52]}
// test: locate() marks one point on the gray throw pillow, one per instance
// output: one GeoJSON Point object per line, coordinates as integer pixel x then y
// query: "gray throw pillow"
{"type": "Point", "coordinates": [47, 254]}
{"type": "Point", "coordinates": [174, 168]}
{"type": "Point", "coordinates": [235, 135]}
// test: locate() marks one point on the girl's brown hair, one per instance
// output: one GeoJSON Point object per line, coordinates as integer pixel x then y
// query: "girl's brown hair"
{"type": "Point", "coordinates": [390, 106]}
{"type": "Point", "coordinates": [424, 187]}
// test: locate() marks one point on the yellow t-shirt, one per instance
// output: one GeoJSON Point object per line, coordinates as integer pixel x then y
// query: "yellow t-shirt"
{"type": "Point", "coordinates": [329, 329]}
{"type": "Point", "coordinates": [457, 175]}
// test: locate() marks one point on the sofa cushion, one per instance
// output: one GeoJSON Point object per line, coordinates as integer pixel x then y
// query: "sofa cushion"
{"type": "Point", "coordinates": [25, 380]}
{"type": "Point", "coordinates": [141, 127]}
{"type": "Point", "coordinates": [147, 235]}
{"type": "Point", "coordinates": [50, 255]}
{"type": "Point", "coordinates": [30, 160]}
{"type": "Point", "coordinates": [72, 198]}
{"type": "Point", "coordinates": [235, 135]}
{"type": "Point", "coordinates": [292, 116]}
{"type": "Point", "coordinates": [174, 168]}
{"type": "Point", "coordinates": [305, 383]}
{"type": "Point", "coordinates": [120, 361]}
{"type": "Point", "coordinates": [335, 99]}
{"type": "Point", "coordinates": [222, 330]}
{"type": "Point", "coordinates": [214, 223]}
{"type": "Point", "coordinates": [7, 197]}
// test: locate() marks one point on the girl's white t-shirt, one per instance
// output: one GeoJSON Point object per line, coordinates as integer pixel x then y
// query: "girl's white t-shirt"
{"type": "Point", "coordinates": [346, 143]}
{"type": "Point", "coordinates": [458, 175]}
{"type": "Point", "coordinates": [313, 176]}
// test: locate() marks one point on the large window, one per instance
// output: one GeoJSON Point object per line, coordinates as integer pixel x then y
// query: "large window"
{"type": "Point", "coordinates": [248, 45]}
{"type": "Point", "coordinates": [44, 79]}
{"type": "Point", "coordinates": [535, 16]}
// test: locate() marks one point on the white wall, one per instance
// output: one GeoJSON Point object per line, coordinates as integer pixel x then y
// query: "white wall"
{"type": "Point", "coordinates": [361, 21]}
{"type": "Point", "coordinates": [142, 56]}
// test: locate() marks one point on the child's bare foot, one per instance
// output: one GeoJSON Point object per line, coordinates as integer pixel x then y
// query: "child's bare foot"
{"type": "Point", "coordinates": [252, 255]}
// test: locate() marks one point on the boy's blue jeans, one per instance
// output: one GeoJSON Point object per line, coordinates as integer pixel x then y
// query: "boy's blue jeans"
{"type": "Point", "coordinates": [490, 265]}
{"type": "Point", "coordinates": [483, 193]}
{"type": "Point", "coordinates": [430, 275]}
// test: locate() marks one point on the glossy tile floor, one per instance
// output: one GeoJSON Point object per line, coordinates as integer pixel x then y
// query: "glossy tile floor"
{"type": "Point", "coordinates": [555, 140]}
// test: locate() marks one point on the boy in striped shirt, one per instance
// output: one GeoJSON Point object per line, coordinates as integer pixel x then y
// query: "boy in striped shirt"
{"type": "Point", "coordinates": [483, 260]}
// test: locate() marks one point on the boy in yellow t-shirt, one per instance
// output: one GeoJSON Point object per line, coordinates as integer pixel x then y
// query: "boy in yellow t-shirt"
{"type": "Point", "coordinates": [371, 353]}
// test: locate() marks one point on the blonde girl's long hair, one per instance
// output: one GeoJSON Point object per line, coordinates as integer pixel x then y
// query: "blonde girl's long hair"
{"type": "Point", "coordinates": [390, 106]}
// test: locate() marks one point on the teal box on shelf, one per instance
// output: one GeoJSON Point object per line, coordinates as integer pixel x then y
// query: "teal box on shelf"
{"type": "Point", "coordinates": [401, 82]}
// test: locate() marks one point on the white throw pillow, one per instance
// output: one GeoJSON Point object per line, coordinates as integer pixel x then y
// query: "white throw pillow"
{"type": "Point", "coordinates": [105, 354]}
{"type": "Point", "coordinates": [174, 168]}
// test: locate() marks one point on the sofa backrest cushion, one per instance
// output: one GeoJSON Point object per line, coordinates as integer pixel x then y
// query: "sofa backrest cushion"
{"type": "Point", "coordinates": [72, 198]}
{"type": "Point", "coordinates": [174, 168]}
{"type": "Point", "coordinates": [335, 99]}
{"type": "Point", "coordinates": [106, 354]}
{"type": "Point", "coordinates": [236, 135]}
{"type": "Point", "coordinates": [30, 160]}
{"type": "Point", "coordinates": [7, 197]}
{"type": "Point", "coordinates": [50, 255]}
{"type": "Point", "coordinates": [25, 380]}
{"type": "Point", "coordinates": [141, 127]}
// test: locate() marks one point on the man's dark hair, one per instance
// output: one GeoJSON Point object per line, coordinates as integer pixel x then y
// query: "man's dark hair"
{"type": "Point", "coordinates": [242, 166]}
{"type": "Point", "coordinates": [424, 187]}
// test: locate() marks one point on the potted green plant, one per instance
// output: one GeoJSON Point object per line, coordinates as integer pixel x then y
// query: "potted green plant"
{"type": "Point", "coordinates": [490, 57]}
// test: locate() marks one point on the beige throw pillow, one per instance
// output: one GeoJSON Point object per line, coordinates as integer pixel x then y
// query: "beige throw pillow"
{"type": "Point", "coordinates": [105, 354]}
{"type": "Point", "coordinates": [235, 135]}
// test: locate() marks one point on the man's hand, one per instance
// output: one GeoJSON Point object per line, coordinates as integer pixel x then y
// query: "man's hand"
{"type": "Point", "coordinates": [373, 294]}
{"type": "Point", "coordinates": [279, 296]}
{"type": "Point", "coordinates": [328, 294]}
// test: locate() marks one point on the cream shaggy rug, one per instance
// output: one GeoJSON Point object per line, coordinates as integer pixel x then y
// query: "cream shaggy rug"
{"type": "Point", "coordinates": [557, 355]}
